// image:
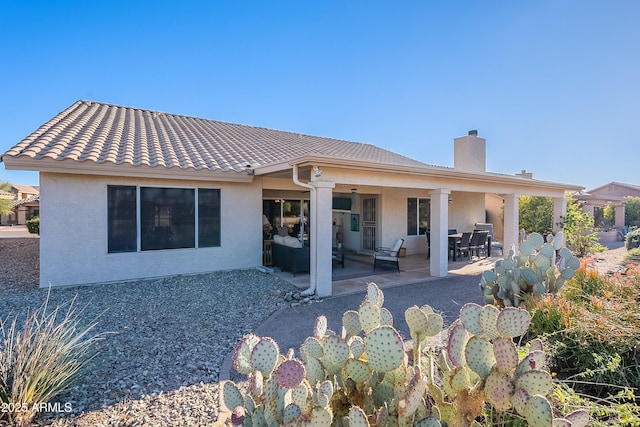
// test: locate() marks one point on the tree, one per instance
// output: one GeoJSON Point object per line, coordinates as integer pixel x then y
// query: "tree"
{"type": "Point", "coordinates": [582, 238]}
{"type": "Point", "coordinates": [536, 214]}
{"type": "Point", "coordinates": [6, 205]}
{"type": "Point", "coordinates": [632, 212]}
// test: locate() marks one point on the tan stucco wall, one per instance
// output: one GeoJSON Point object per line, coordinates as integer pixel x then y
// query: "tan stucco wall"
{"type": "Point", "coordinates": [73, 240]}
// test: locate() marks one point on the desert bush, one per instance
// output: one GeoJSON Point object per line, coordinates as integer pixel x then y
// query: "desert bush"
{"type": "Point", "coordinates": [33, 225]}
{"type": "Point", "coordinates": [39, 360]}
{"type": "Point", "coordinates": [592, 328]}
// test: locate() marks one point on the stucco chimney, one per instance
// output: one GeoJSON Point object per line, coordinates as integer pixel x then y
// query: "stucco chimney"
{"type": "Point", "coordinates": [525, 174]}
{"type": "Point", "coordinates": [470, 153]}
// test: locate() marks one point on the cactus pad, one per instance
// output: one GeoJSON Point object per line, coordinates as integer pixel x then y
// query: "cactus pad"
{"type": "Point", "coordinates": [311, 348]}
{"type": "Point", "coordinates": [255, 384]}
{"type": "Point", "coordinates": [264, 356]}
{"type": "Point", "coordinates": [300, 396]}
{"type": "Point", "coordinates": [231, 395]}
{"type": "Point", "coordinates": [237, 416]}
{"type": "Point", "coordinates": [458, 338]}
{"type": "Point", "coordinates": [351, 323]}
{"type": "Point", "coordinates": [356, 346]}
{"type": "Point", "coordinates": [271, 388]}
{"type": "Point", "coordinates": [374, 294]}
{"type": "Point", "coordinates": [506, 355]}
{"type": "Point", "coordinates": [384, 348]}
{"type": "Point", "coordinates": [428, 422]}
{"type": "Point", "coordinates": [290, 373]}
{"type": "Point", "coordinates": [538, 412]}
{"type": "Point", "coordinates": [369, 316]}
{"type": "Point", "coordinates": [242, 354]}
{"type": "Point", "coordinates": [578, 418]}
{"type": "Point", "coordinates": [326, 388]}
{"type": "Point", "coordinates": [336, 353]}
{"type": "Point", "coordinates": [519, 400]}
{"type": "Point", "coordinates": [561, 422]}
{"type": "Point", "coordinates": [470, 317]}
{"type": "Point", "coordinates": [314, 370]}
{"type": "Point", "coordinates": [479, 356]}
{"type": "Point", "coordinates": [382, 417]}
{"type": "Point", "coordinates": [498, 389]}
{"type": "Point", "coordinates": [488, 320]}
{"type": "Point", "coordinates": [436, 323]}
{"type": "Point", "coordinates": [535, 382]}
{"type": "Point", "coordinates": [513, 322]}
{"type": "Point", "coordinates": [386, 318]}
{"type": "Point", "coordinates": [320, 417]}
{"type": "Point", "coordinates": [357, 417]}
{"type": "Point", "coordinates": [320, 327]}
{"type": "Point", "coordinates": [416, 319]}
{"type": "Point", "coordinates": [291, 413]}
{"type": "Point", "coordinates": [357, 370]}
{"type": "Point", "coordinates": [535, 360]}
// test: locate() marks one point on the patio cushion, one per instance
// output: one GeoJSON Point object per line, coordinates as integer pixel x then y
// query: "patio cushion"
{"type": "Point", "coordinates": [396, 247]}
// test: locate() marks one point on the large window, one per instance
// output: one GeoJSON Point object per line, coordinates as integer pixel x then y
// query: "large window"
{"type": "Point", "coordinates": [418, 212]}
{"type": "Point", "coordinates": [167, 218]}
{"type": "Point", "coordinates": [121, 213]}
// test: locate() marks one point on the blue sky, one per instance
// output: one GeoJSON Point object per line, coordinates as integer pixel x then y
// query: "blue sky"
{"type": "Point", "coordinates": [554, 86]}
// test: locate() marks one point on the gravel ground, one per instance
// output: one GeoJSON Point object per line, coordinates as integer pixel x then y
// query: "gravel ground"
{"type": "Point", "coordinates": [166, 338]}
{"type": "Point", "coordinates": [165, 341]}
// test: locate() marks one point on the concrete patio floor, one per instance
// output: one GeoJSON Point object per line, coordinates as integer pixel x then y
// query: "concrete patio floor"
{"type": "Point", "coordinates": [413, 269]}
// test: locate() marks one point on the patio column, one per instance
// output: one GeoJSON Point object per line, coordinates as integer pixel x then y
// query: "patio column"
{"type": "Point", "coordinates": [588, 207]}
{"type": "Point", "coordinates": [559, 212]}
{"type": "Point", "coordinates": [511, 221]}
{"type": "Point", "coordinates": [439, 226]}
{"type": "Point", "coordinates": [620, 215]}
{"type": "Point", "coordinates": [322, 273]}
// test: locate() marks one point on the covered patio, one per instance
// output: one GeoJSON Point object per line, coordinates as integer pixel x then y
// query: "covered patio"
{"type": "Point", "coordinates": [358, 271]}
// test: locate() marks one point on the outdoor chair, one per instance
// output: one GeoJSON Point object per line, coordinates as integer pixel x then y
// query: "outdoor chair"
{"type": "Point", "coordinates": [478, 242]}
{"type": "Point", "coordinates": [463, 247]}
{"type": "Point", "coordinates": [388, 256]}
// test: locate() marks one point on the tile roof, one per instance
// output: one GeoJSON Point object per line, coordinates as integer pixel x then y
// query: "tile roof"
{"type": "Point", "coordinates": [95, 132]}
{"type": "Point", "coordinates": [28, 201]}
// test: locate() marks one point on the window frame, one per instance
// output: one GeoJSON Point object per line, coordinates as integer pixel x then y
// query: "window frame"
{"type": "Point", "coordinates": [217, 217]}
{"type": "Point", "coordinates": [416, 215]}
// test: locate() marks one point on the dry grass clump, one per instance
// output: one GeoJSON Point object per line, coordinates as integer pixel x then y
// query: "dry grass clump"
{"type": "Point", "coordinates": [41, 359]}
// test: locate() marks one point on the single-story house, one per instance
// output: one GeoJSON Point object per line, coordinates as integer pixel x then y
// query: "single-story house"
{"type": "Point", "coordinates": [611, 194]}
{"type": "Point", "coordinates": [25, 204]}
{"type": "Point", "coordinates": [128, 193]}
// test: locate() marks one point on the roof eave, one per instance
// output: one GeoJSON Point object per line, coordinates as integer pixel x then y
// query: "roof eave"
{"type": "Point", "coordinates": [92, 168]}
{"type": "Point", "coordinates": [442, 172]}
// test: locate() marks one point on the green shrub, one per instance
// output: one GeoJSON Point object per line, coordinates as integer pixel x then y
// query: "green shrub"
{"type": "Point", "coordinates": [33, 225]}
{"type": "Point", "coordinates": [632, 240]}
{"type": "Point", "coordinates": [41, 359]}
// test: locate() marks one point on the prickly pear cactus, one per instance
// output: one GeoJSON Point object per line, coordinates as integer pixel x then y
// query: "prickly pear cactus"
{"type": "Point", "coordinates": [538, 268]}
{"type": "Point", "coordinates": [364, 376]}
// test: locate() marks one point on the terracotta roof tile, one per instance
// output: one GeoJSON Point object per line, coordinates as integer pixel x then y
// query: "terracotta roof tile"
{"type": "Point", "coordinates": [100, 133]}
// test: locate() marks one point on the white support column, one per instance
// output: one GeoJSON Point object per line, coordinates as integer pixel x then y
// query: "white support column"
{"type": "Point", "coordinates": [619, 215]}
{"type": "Point", "coordinates": [511, 221]}
{"type": "Point", "coordinates": [322, 239]}
{"type": "Point", "coordinates": [439, 226]}
{"type": "Point", "coordinates": [559, 212]}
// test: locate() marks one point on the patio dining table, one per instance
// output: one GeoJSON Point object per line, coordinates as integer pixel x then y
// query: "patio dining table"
{"type": "Point", "coordinates": [454, 241]}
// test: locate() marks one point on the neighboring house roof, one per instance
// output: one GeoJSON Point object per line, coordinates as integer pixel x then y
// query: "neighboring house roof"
{"type": "Point", "coordinates": [33, 200]}
{"type": "Point", "coordinates": [103, 133]}
{"type": "Point", "coordinates": [635, 189]}
{"type": "Point", "coordinates": [18, 188]}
